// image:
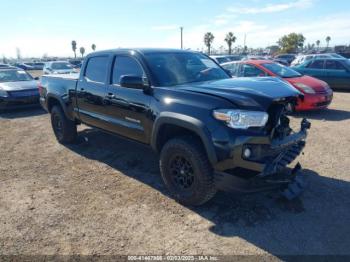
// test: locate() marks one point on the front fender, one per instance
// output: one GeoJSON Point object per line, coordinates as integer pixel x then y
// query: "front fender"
{"type": "Point", "coordinates": [187, 122]}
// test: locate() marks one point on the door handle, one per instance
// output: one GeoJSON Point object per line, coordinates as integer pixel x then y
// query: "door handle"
{"type": "Point", "coordinates": [82, 89]}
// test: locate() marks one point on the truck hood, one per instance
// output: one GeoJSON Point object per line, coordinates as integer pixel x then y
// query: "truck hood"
{"type": "Point", "coordinates": [247, 92]}
{"type": "Point", "coordinates": [20, 85]}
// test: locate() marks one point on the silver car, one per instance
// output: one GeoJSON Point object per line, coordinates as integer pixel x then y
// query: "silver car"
{"type": "Point", "coordinates": [17, 89]}
{"type": "Point", "coordinates": [58, 67]}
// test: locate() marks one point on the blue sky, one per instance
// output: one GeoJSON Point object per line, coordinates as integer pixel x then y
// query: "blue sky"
{"type": "Point", "coordinates": [37, 27]}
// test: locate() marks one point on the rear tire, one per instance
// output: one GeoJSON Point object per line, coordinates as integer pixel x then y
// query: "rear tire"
{"type": "Point", "coordinates": [64, 129]}
{"type": "Point", "coordinates": [187, 172]}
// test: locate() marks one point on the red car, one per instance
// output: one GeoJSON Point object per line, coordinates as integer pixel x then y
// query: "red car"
{"type": "Point", "coordinates": [317, 93]}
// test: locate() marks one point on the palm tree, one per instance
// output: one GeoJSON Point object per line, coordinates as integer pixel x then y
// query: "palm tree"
{"type": "Point", "coordinates": [82, 51]}
{"type": "Point", "coordinates": [74, 48]}
{"type": "Point", "coordinates": [328, 39]}
{"type": "Point", "coordinates": [208, 40]}
{"type": "Point", "coordinates": [230, 39]}
{"type": "Point", "coordinates": [93, 47]}
{"type": "Point", "coordinates": [318, 42]}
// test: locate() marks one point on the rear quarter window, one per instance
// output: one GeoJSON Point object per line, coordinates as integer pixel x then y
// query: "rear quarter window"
{"type": "Point", "coordinates": [96, 69]}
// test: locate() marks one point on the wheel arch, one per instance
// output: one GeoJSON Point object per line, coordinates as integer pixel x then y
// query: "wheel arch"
{"type": "Point", "coordinates": [53, 100]}
{"type": "Point", "coordinates": [169, 125]}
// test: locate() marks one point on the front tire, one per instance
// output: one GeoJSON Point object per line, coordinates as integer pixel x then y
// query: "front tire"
{"type": "Point", "coordinates": [187, 172]}
{"type": "Point", "coordinates": [64, 129]}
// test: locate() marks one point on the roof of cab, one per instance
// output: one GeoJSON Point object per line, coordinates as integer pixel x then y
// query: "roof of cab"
{"type": "Point", "coordinates": [141, 50]}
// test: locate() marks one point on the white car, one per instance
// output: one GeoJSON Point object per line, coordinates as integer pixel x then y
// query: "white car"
{"type": "Point", "coordinates": [58, 67]}
{"type": "Point", "coordinates": [220, 59]}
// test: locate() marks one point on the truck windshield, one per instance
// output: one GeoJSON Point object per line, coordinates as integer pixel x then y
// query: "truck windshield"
{"type": "Point", "coordinates": [281, 70]}
{"type": "Point", "coordinates": [14, 76]}
{"type": "Point", "coordinates": [177, 68]}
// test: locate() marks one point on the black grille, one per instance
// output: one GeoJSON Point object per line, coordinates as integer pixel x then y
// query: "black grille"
{"type": "Point", "coordinates": [284, 158]}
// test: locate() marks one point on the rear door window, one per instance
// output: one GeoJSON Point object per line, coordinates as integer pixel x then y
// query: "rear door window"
{"type": "Point", "coordinates": [316, 64]}
{"type": "Point", "coordinates": [334, 65]}
{"type": "Point", "coordinates": [96, 69]}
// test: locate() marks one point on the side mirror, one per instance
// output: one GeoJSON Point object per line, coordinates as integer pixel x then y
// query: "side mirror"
{"type": "Point", "coordinates": [130, 81]}
{"type": "Point", "coordinates": [36, 78]}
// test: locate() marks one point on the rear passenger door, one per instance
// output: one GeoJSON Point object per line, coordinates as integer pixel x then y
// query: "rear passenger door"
{"type": "Point", "coordinates": [128, 108]}
{"type": "Point", "coordinates": [92, 90]}
{"type": "Point", "coordinates": [337, 75]}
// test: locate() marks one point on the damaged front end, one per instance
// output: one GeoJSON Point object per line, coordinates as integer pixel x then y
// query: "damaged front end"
{"type": "Point", "coordinates": [260, 163]}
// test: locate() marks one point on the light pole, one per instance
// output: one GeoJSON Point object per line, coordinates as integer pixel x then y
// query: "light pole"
{"type": "Point", "coordinates": [181, 31]}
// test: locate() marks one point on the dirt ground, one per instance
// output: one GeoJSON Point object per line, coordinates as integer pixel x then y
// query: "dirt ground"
{"type": "Point", "coordinates": [104, 195]}
{"type": "Point", "coordinates": [36, 73]}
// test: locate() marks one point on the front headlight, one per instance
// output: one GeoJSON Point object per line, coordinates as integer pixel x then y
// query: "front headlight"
{"type": "Point", "coordinates": [305, 88]}
{"type": "Point", "coordinates": [240, 119]}
{"type": "Point", "coordinates": [3, 93]}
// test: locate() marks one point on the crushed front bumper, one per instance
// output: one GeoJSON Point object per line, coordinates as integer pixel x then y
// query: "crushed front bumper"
{"type": "Point", "coordinates": [265, 168]}
{"type": "Point", "coordinates": [291, 182]}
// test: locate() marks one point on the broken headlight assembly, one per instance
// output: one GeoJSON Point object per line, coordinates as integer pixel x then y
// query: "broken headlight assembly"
{"type": "Point", "coordinates": [241, 119]}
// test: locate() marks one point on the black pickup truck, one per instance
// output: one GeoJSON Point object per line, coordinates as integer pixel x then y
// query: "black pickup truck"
{"type": "Point", "coordinates": [211, 131]}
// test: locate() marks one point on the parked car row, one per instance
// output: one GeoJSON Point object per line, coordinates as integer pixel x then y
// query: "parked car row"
{"type": "Point", "coordinates": [29, 66]}
{"type": "Point", "coordinates": [334, 71]}
{"type": "Point", "coordinates": [314, 77]}
{"type": "Point", "coordinates": [316, 93]}
{"type": "Point", "coordinates": [58, 67]}
{"type": "Point", "coordinates": [284, 59]}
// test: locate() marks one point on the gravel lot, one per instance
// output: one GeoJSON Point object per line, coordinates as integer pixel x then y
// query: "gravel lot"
{"type": "Point", "coordinates": [105, 196]}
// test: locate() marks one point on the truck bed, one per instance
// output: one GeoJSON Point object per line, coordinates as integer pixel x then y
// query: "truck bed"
{"type": "Point", "coordinates": [60, 84]}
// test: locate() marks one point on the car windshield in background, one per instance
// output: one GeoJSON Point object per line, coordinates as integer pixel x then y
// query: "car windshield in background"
{"type": "Point", "coordinates": [14, 76]}
{"type": "Point", "coordinates": [61, 66]}
{"type": "Point", "coordinates": [222, 60]}
{"type": "Point", "coordinates": [172, 69]}
{"type": "Point", "coordinates": [281, 70]}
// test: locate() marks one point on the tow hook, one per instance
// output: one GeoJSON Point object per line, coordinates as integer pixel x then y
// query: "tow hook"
{"type": "Point", "coordinates": [297, 184]}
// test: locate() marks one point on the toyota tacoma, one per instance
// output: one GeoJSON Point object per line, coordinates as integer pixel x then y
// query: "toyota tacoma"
{"type": "Point", "coordinates": [212, 132]}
